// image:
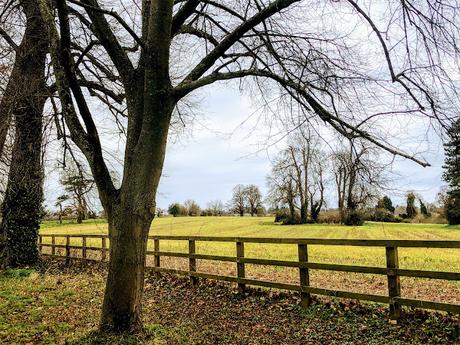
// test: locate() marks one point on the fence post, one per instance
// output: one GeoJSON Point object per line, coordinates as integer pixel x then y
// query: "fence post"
{"type": "Point", "coordinates": [192, 261]}
{"type": "Point", "coordinates": [67, 250]}
{"type": "Point", "coordinates": [83, 248]}
{"type": "Point", "coordinates": [53, 245]}
{"type": "Point", "coordinates": [394, 286]}
{"type": "Point", "coordinates": [104, 248]}
{"type": "Point", "coordinates": [40, 241]}
{"type": "Point", "coordinates": [240, 269]}
{"type": "Point", "coordinates": [305, 297]}
{"type": "Point", "coordinates": [156, 257]}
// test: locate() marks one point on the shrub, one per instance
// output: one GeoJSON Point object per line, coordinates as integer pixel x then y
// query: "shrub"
{"type": "Point", "coordinates": [383, 215]}
{"type": "Point", "coordinates": [330, 217]}
{"type": "Point", "coordinates": [353, 218]}
{"type": "Point", "coordinates": [283, 216]}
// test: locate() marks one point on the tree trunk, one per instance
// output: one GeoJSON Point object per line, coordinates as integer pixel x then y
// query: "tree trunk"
{"type": "Point", "coordinates": [60, 214]}
{"type": "Point", "coordinates": [303, 212]}
{"type": "Point", "coordinates": [122, 307]}
{"type": "Point", "coordinates": [22, 204]}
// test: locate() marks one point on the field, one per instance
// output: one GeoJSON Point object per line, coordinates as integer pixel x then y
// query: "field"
{"type": "Point", "coordinates": [426, 259]}
{"type": "Point", "coordinates": [61, 305]}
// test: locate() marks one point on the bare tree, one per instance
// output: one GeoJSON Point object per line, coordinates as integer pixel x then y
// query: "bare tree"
{"type": "Point", "coordinates": [216, 208]}
{"type": "Point", "coordinates": [238, 202]}
{"type": "Point", "coordinates": [254, 198]}
{"type": "Point", "coordinates": [358, 178]}
{"type": "Point", "coordinates": [265, 42]}
{"type": "Point", "coordinates": [192, 207]}
{"type": "Point", "coordinates": [282, 187]}
{"type": "Point", "coordinates": [300, 165]}
{"type": "Point", "coordinates": [317, 186]}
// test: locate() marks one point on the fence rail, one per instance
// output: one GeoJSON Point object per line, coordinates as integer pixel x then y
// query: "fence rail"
{"type": "Point", "coordinates": [392, 270]}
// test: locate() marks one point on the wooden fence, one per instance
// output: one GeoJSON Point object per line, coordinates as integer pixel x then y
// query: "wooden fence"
{"type": "Point", "coordinates": [391, 271]}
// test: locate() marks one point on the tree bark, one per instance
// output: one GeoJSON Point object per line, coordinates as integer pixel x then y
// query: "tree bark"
{"type": "Point", "coordinates": [122, 307]}
{"type": "Point", "coordinates": [24, 194]}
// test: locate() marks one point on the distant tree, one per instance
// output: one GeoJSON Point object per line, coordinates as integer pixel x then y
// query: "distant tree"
{"type": "Point", "coordinates": [254, 198]}
{"type": "Point", "coordinates": [192, 208]}
{"type": "Point", "coordinates": [78, 184]}
{"type": "Point", "coordinates": [358, 178]}
{"type": "Point", "coordinates": [238, 202]}
{"type": "Point", "coordinates": [317, 187]}
{"type": "Point", "coordinates": [297, 178]}
{"type": "Point", "coordinates": [423, 209]}
{"type": "Point", "coordinates": [452, 173]}
{"type": "Point", "coordinates": [215, 208]}
{"type": "Point", "coordinates": [411, 211]}
{"type": "Point", "coordinates": [282, 190]}
{"type": "Point", "coordinates": [60, 203]}
{"type": "Point", "coordinates": [386, 204]}
{"type": "Point", "coordinates": [175, 209]}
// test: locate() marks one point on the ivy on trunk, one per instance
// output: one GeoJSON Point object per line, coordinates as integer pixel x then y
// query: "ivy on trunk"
{"type": "Point", "coordinates": [24, 101]}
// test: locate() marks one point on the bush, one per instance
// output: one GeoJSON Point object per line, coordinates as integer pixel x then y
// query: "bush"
{"type": "Point", "coordinates": [284, 216]}
{"type": "Point", "coordinates": [354, 218]}
{"type": "Point", "coordinates": [383, 215]}
{"type": "Point", "coordinates": [330, 217]}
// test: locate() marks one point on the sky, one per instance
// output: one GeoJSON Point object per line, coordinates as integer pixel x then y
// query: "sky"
{"type": "Point", "coordinates": [223, 149]}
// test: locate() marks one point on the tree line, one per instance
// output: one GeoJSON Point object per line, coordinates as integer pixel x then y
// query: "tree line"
{"type": "Point", "coordinates": [245, 199]}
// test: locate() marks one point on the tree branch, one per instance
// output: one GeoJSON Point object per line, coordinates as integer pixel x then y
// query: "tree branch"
{"type": "Point", "coordinates": [181, 16]}
{"type": "Point", "coordinates": [312, 104]}
{"type": "Point", "coordinates": [109, 41]}
{"type": "Point", "coordinates": [8, 39]}
{"type": "Point", "coordinates": [208, 61]}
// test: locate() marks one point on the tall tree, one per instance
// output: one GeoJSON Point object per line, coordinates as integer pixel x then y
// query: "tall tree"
{"type": "Point", "coordinates": [452, 173]}
{"type": "Point", "coordinates": [411, 211]}
{"type": "Point", "coordinates": [282, 189]}
{"type": "Point", "coordinates": [24, 100]}
{"type": "Point", "coordinates": [386, 204]}
{"type": "Point", "coordinates": [238, 202]}
{"type": "Point", "coordinates": [254, 198]}
{"type": "Point", "coordinates": [358, 178]}
{"type": "Point", "coordinates": [259, 41]}
{"type": "Point", "coordinates": [317, 188]}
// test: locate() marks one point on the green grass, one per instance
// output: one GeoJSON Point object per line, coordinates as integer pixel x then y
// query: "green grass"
{"type": "Point", "coordinates": [62, 306]}
{"type": "Point", "coordinates": [421, 258]}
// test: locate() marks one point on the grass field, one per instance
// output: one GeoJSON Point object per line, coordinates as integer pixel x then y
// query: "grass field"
{"type": "Point", "coordinates": [416, 258]}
